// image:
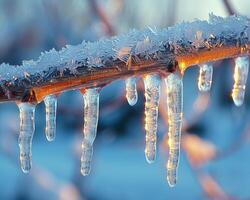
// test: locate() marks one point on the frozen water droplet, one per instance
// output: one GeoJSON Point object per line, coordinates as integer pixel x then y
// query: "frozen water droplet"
{"type": "Point", "coordinates": [240, 79]}
{"type": "Point", "coordinates": [50, 107]}
{"type": "Point", "coordinates": [27, 128]}
{"type": "Point", "coordinates": [205, 77]}
{"type": "Point", "coordinates": [91, 113]}
{"type": "Point", "coordinates": [175, 107]}
{"type": "Point", "coordinates": [131, 92]}
{"type": "Point", "coordinates": [152, 95]}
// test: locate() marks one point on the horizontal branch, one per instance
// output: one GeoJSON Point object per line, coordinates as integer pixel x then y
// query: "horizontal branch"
{"type": "Point", "coordinates": [136, 53]}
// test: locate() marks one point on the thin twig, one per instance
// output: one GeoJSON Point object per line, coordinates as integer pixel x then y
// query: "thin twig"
{"type": "Point", "coordinates": [229, 7]}
{"type": "Point", "coordinates": [103, 17]}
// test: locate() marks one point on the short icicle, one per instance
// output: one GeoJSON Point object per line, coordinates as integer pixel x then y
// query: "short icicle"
{"type": "Point", "coordinates": [240, 79]}
{"type": "Point", "coordinates": [205, 77]}
{"type": "Point", "coordinates": [152, 95]}
{"type": "Point", "coordinates": [50, 108]}
{"type": "Point", "coordinates": [131, 92]}
{"type": "Point", "coordinates": [27, 128]}
{"type": "Point", "coordinates": [91, 113]}
{"type": "Point", "coordinates": [175, 106]}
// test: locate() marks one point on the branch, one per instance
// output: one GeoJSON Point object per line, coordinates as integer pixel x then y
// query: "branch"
{"type": "Point", "coordinates": [136, 53]}
{"type": "Point", "coordinates": [97, 9]}
{"type": "Point", "coordinates": [230, 9]}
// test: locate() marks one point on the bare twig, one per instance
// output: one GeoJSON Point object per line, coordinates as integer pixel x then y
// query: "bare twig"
{"type": "Point", "coordinates": [103, 17]}
{"type": "Point", "coordinates": [230, 9]}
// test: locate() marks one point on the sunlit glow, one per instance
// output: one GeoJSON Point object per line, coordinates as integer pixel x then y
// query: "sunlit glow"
{"type": "Point", "coordinates": [240, 79]}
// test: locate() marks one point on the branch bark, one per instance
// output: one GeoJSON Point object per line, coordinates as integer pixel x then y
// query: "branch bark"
{"type": "Point", "coordinates": [136, 53]}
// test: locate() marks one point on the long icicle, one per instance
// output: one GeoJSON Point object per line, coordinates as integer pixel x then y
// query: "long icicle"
{"type": "Point", "coordinates": [175, 112]}
{"type": "Point", "coordinates": [240, 79]}
{"type": "Point", "coordinates": [27, 128]}
{"type": "Point", "coordinates": [152, 95]}
{"type": "Point", "coordinates": [131, 91]}
{"type": "Point", "coordinates": [205, 77]}
{"type": "Point", "coordinates": [50, 108]}
{"type": "Point", "coordinates": [91, 113]}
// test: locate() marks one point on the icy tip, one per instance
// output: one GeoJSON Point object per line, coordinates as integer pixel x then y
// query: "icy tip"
{"type": "Point", "coordinates": [26, 166]}
{"type": "Point", "coordinates": [239, 98]}
{"type": "Point", "coordinates": [85, 171]}
{"type": "Point", "coordinates": [132, 101]}
{"type": "Point", "coordinates": [150, 157]}
{"type": "Point", "coordinates": [50, 137]}
{"type": "Point", "coordinates": [171, 182]}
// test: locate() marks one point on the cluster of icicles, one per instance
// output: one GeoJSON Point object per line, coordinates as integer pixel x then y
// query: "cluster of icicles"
{"type": "Point", "coordinates": [152, 84]}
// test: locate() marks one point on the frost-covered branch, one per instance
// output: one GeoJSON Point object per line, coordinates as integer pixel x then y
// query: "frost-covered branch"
{"type": "Point", "coordinates": [150, 53]}
{"type": "Point", "coordinates": [136, 53]}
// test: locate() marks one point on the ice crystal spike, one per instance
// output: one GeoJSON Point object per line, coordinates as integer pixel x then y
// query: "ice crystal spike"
{"type": "Point", "coordinates": [91, 112]}
{"type": "Point", "coordinates": [240, 79]}
{"type": "Point", "coordinates": [205, 77]}
{"type": "Point", "coordinates": [175, 107]}
{"type": "Point", "coordinates": [152, 95]}
{"type": "Point", "coordinates": [131, 92]}
{"type": "Point", "coordinates": [27, 128]}
{"type": "Point", "coordinates": [50, 107]}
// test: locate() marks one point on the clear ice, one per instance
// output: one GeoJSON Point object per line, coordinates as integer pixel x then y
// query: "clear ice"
{"type": "Point", "coordinates": [205, 77]}
{"type": "Point", "coordinates": [91, 112]}
{"type": "Point", "coordinates": [175, 112]}
{"type": "Point", "coordinates": [27, 128]}
{"type": "Point", "coordinates": [131, 91]}
{"type": "Point", "coordinates": [152, 95]}
{"type": "Point", "coordinates": [240, 79]}
{"type": "Point", "coordinates": [50, 102]}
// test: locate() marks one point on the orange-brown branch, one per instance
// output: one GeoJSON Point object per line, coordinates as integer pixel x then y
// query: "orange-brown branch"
{"type": "Point", "coordinates": [144, 55]}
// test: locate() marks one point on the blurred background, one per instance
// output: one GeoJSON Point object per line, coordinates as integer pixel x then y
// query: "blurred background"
{"type": "Point", "coordinates": [215, 161]}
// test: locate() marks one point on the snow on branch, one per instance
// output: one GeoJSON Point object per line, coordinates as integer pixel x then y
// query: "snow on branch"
{"type": "Point", "coordinates": [135, 53]}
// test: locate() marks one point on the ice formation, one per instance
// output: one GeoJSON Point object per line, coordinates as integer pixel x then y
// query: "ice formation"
{"type": "Point", "coordinates": [27, 129]}
{"type": "Point", "coordinates": [240, 79]}
{"type": "Point", "coordinates": [175, 112]}
{"type": "Point", "coordinates": [91, 113]}
{"type": "Point", "coordinates": [131, 91]}
{"type": "Point", "coordinates": [205, 77]}
{"type": "Point", "coordinates": [138, 53]}
{"type": "Point", "coordinates": [152, 95]}
{"type": "Point", "coordinates": [50, 102]}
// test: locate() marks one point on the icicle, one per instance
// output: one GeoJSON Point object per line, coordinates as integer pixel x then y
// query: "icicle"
{"type": "Point", "coordinates": [131, 92]}
{"type": "Point", "coordinates": [205, 77]}
{"type": "Point", "coordinates": [240, 79]}
{"type": "Point", "coordinates": [91, 113]}
{"type": "Point", "coordinates": [152, 95]}
{"type": "Point", "coordinates": [50, 107]}
{"type": "Point", "coordinates": [175, 106]}
{"type": "Point", "coordinates": [27, 128]}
